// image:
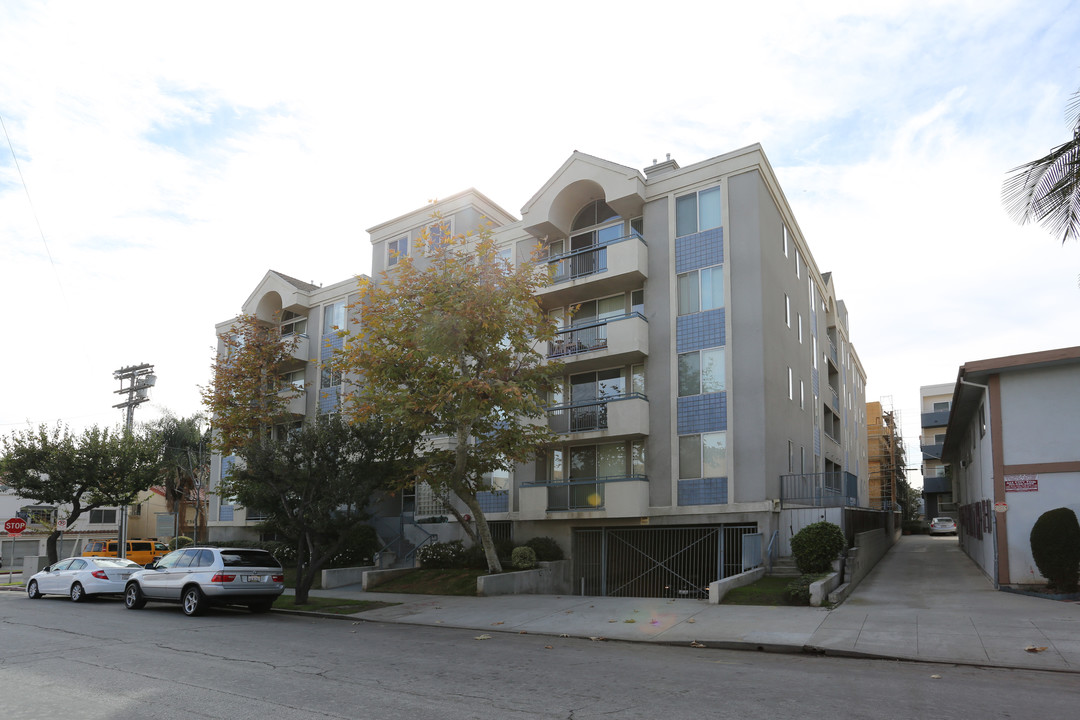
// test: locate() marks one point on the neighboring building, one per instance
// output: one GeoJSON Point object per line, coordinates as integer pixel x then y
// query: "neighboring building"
{"type": "Point", "coordinates": [710, 380]}
{"type": "Point", "coordinates": [935, 401]}
{"type": "Point", "coordinates": [312, 314]}
{"type": "Point", "coordinates": [1011, 446]}
{"type": "Point", "coordinates": [886, 456]}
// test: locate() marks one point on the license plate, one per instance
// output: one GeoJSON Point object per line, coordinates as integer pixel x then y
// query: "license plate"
{"type": "Point", "coordinates": [254, 578]}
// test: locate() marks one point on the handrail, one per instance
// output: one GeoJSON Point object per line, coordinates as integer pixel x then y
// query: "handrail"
{"type": "Point", "coordinates": [598, 323]}
{"type": "Point", "coordinates": [769, 553]}
{"type": "Point", "coordinates": [570, 253]}
{"type": "Point", "coordinates": [598, 401]}
{"type": "Point", "coordinates": [586, 481]}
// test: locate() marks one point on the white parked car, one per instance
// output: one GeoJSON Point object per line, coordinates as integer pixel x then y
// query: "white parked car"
{"type": "Point", "coordinates": [81, 577]}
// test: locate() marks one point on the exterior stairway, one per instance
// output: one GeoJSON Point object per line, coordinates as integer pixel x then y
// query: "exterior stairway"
{"type": "Point", "coordinates": [785, 567]}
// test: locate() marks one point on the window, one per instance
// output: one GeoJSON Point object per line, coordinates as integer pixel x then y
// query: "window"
{"type": "Point", "coordinates": [701, 290]}
{"type": "Point", "coordinates": [697, 212]}
{"type": "Point", "coordinates": [637, 457]}
{"type": "Point", "coordinates": [637, 302]}
{"type": "Point", "coordinates": [802, 395]}
{"type": "Point", "coordinates": [800, 328]}
{"type": "Point", "coordinates": [329, 377]}
{"type": "Point", "coordinates": [787, 310]}
{"type": "Point", "coordinates": [942, 406]}
{"type": "Point", "coordinates": [790, 385]}
{"type": "Point", "coordinates": [701, 372]}
{"type": "Point", "coordinates": [798, 270]}
{"type": "Point", "coordinates": [333, 317]}
{"type": "Point", "coordinates": [784, 241]}
{"type": "Point", "coordinates": [293, 380]}
{"type": "Point", "coordinates": [637, 379]}
{"type": "Point", "coordinates": [939, 439]}
{"type": "Point", "coordinates": [293, 324]}
{"type": "Point", "coordinates": [497, 481]}
{"type": "Point", "coordinates": [103, 516]}
{"type": "Point", "coordinates": [397, 249]}
{"type": "Point", "coordinates": [438, 234]}
{"type": "Point", "coordinates": [703, 456]}
{"type": "Point", "coordinates": [982, 420]}
{"type": "Point", "coordinates": [813, 343]}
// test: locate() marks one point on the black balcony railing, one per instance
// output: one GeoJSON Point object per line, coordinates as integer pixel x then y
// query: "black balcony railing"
{"type": "Point", "coordinates": [585, 337]}
{"type": "Point", "coordinates": [582, 493]}
{"type": "Point", "coordinates": [584, 261]}
{"type": "Point", "coordinates": [828, 489]}
{"type": "Point", "coordinates": [583, 417]}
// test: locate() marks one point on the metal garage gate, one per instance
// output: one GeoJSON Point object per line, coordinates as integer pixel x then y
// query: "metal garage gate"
{"type": "Point", "coordinates": [658, 562]}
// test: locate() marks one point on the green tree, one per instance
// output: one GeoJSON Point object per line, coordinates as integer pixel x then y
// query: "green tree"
{"type": "Point", "coordinates": [1047, 190]}
{"type": "Point", "coordinates": [99, 468]}
{"type": "Point", "coordinates": [446, 347]}
{"type": "Point", "coordinates": [185, 470]}
{"type": "Point", "coordinates": [315, 484]}
{"type": "Point", "coordinates": [246, 393]}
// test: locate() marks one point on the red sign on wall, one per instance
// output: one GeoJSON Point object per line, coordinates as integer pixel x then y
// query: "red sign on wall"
{"type": "Point", "coordinates": [1021, 483]}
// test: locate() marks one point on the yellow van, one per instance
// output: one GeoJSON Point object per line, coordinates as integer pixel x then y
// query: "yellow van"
{"type": "Point", "coordinates": [139, 551]}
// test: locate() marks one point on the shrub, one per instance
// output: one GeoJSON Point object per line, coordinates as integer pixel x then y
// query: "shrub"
{"type": "Point", "coordinates": [523, 558]}
{"type": "Point", "coordinates": [179, 541]}
{"type": "Point", "coordinates": [504, 549]}
{"type": "Point", "coordinates": [915, 527]}
{"type": "Point", "coordinates": [816, 546]}
{"type": "Point", "coordinates": [798, 591]}
{"type": "Point", "coordinates": [1055, 546]}
{"type": "Point", "coordinates": [546, 549]}
{"type": "Point", "coordinates": [474, 557]}
{"type": "Point", "coordinates": [442, 555]}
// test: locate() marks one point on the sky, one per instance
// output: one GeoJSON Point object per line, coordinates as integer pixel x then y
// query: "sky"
{"type": "Point", "coordinates": [160, 157]}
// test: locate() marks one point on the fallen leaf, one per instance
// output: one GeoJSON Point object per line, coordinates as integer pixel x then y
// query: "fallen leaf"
{"type": "Point", "coordinates": [482, 637]}
{"type": "Point", "coordinates": [696, 644]}
{"type": "Point", "coordinates": [569, 612]}
{"type": "Point", "coordinates": [631, 620]}
{"type": "Point", "coordinates": [691, 620]}
{"type": "Point", "coordinates": [599, 638]}
{"type": "Point", "coordinates": [549, 647]}
{"type": "Point", "coordinates": [523, 632]}
{"type": "Point", "coordinates": [501, 622]}
{"type": "Point", "coordinates": [611, 621]}
{"type": "Point", "coordinates": [1034, 649]}
{"type": "Point", "coordinates": [936, 677]}
{"type": "Point", "coordinates": [564, 635]}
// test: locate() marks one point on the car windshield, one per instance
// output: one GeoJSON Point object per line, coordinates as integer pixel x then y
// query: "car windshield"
{"type": "Point", "coordinates": [115, 562]}
{"type": "Point", "coordinates": [943, 520]}
{"type": "Point", "coordinates": [248, 558]}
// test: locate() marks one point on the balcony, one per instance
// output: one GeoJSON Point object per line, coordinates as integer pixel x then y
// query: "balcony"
{"type": "Point", "coordinates": [626, 415]}
{"type": "Point", "coordinates": [828, 489]}
{"type": "Point", "coordinates": [296, 405]}
{"type": "Point", "coordinates": [592, 497]}
{"type": "Point", "coordinates": [935, 419]}
{"type": "Point", "coordinates": [619, 265]}
{"type": "Point", "coordinates": [834, 398]}
{"type": "Point", "coordinates": [300, 354]}
{"type": "Point", "coordinates": [931, 452]}
{"type": "Point", "coordinates": [616, 341]}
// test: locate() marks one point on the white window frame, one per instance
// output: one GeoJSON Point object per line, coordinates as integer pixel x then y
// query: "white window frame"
{"type": "Point", "coordinates": [697, 210]}
{"type": "Point", "coordinates": [714, 271]}
{"type": "Point", "coordinates": [684, 475]}
{"type": "Point", "coordinates": [429, 248]}
{"type": "Point", "coordinates": [719, 351]}
{"type": "Point", "coordinates": [396, 249]}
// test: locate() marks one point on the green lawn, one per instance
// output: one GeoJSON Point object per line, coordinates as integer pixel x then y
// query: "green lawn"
{"type": "Point", "coordinates": [339, 606]}
{"type": "Point", "coordinates": [766, 591]}
{"type": "Point", "coordinates": [428, 581]}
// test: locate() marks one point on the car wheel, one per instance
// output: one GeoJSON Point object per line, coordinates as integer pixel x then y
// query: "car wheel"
{"type": "Point", "coordinates": [133, 597]}
{"type": "Point", "coordinates": [32, 590]}
{"type": "Point", "coordinates": [78, 594]}
{"type": "Point", "coordinates": [194, 602]}
{"type": "Point", "coordinates": [260, 607]}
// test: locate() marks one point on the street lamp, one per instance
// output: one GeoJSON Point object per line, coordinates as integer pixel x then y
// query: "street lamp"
{"type": "Point", "coordinates": [139, 378]}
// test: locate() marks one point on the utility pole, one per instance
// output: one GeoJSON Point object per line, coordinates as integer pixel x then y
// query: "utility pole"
{"type": "Point", "coordinates": [139, 378]}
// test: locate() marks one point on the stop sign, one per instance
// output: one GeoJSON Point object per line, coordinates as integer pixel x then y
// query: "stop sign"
{"type": "Point", "coordinates": [14, 526]}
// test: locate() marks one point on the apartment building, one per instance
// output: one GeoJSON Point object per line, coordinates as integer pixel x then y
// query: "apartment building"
{"type": "Point", "coordinates": [935, 402]}
{"type": "Point", "coordinates": [710, 380]}
{"type": "Point", "coordinates": [1012, 450]}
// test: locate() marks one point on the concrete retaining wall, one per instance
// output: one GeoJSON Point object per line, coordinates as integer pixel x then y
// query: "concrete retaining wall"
{"type": "Point", "coordinates": [719, 588]}
{"type": "Point", "coordinates": [374, 578]}
{"type": "Point", "coordinates": [550, 578]}
{"type": "Point", "coordinates": [337, 577]}
{"type": "Point", "coordinates": [870, 547]}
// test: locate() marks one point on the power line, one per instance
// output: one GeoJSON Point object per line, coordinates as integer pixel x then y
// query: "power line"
{"type": "Point", "coordinates": [33, 210]}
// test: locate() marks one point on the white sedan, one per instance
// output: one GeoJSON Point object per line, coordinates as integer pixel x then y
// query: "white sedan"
{"type": "Point", "coordinates": [81, 577]}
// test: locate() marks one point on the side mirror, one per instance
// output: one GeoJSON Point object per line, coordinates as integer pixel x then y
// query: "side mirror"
{"type": "Point", "coordinates": [47, 568]}
{"type": "Point", "coordinates": [151, 565]}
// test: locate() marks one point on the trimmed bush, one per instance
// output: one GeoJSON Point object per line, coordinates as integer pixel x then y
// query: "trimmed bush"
{"type": "Point", "coordinates": [546, 549]}
{"type": "Point", "coordinates": [474, 557]}
{"type": "Point", "coordinates": [798, 591]}
{"type": "Point", "coordinates": [180, 541]}
{"type": "Point", "coordinates": [504, 549]}
{"type": "Point", "coordinates": [1055, 546]}
{"type": "Point", "coordinates": [816, 546]}
{"type": "Point", "coordinates": [523, 558]}
{"type": "Point", "coordinates": [442, 556]}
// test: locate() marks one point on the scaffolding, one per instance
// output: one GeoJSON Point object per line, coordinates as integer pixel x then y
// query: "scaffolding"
{"type": "Point", "coordinates": [886, 457]}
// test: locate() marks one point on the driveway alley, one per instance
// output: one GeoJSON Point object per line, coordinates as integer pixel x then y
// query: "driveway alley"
{"type": "Point", "coordinates": [926, 600]}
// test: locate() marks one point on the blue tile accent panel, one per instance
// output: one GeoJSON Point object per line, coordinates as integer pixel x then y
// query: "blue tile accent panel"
{"type": "Point", "coordinates": [494, 502]}
{"type": "Point", "coordinates": [702, 249]}
{"type": "Point", "coordinates": [705, 491]}
{"type": "Point", "coordinates": [225, 513]}
{"type": "Point", "coordinates": [702, 413]}
{"type": "Point", "coordinates": [328, 345]}
{"type": "Point", "coordinates": [329, 399]}
{"type": "Point", "coordinates": [700, 330]}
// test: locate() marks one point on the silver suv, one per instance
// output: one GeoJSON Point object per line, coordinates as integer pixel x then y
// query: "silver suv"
{"type": "Point", "coordinates": [199, 577]}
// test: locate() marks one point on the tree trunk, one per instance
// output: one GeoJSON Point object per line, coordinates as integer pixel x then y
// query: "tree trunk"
{"type": "Point", "coordinates": [482, 529]}
{"type": "Point", "coordinates": [301, 590]}
{"type": "Point", "coordinates": [50, 546]}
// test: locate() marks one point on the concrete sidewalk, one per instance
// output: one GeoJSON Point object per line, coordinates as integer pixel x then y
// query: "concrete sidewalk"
{"type": "Point", "coordinates": [925, 601]}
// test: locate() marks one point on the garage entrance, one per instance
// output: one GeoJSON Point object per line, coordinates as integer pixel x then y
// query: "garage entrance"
{"type": "Point", "coordinates": [668, 562]}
